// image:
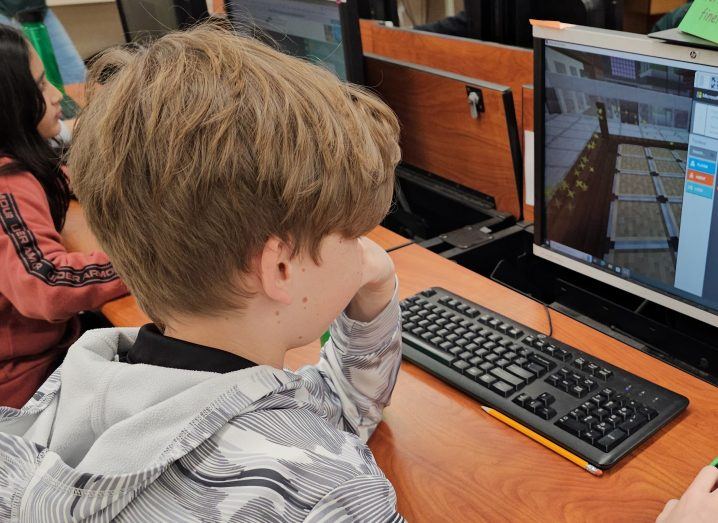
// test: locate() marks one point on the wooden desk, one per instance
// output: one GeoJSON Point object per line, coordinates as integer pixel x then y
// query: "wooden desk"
{"type": "Point", "coordinates": [449, 461]}
{"type": "Point", "coordinates": [124, 312]}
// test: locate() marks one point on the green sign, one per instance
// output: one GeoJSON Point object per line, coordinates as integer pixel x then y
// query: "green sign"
{"type": "Point", "coordinates": [702, 20]}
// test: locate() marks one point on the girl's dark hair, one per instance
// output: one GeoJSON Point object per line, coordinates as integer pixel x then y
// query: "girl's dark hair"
{"type": "Point", "coordinates": [22, 107]}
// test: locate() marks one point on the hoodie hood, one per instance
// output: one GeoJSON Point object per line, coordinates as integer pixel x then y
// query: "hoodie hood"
{"type": "Point", "coordinates": [110, 428]}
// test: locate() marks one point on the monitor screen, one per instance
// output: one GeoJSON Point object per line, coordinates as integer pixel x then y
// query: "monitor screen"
{"type": "Point", "coordinates": [311, 29]}
{"type": "Point", "coordinates": [146, 20]}
{"type": "Point", "coordinates": [630, 147]}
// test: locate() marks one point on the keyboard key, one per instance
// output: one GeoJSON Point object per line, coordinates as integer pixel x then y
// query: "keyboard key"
{"type": "Point", "coordinates": [489, 345]}
{"type": "Point", "coordinates": [546, 412]}
{"type": "Point", "coordinates": [466, 355]}
{"type": "Point", "coordinates": [613, 420]}
{"type": "Point", "coordinates": [476, 360]}
{"type": "Point", "coordinates": [565, 385]}
{"type": "Point", "coordinates": [537, 358]}
{"type": "Point", "coordinates": [438, 354]}
{"type": "Point", "coordinates": [456, 350]}
{"type": "Point", "coordinates": [515, 333]}
{"type": "Point", "coordinates": [648, 412]}
{"type": "Point", "coordinates": [579, 363]}
{"type": "Point", "coordinates": [611, 440]}
{"type": "Point", "coordinates": [608, 393]}
{"type": "Point", "coordinates": [461, 365]}
{"type": "Point", "coordinates": [445, 345]}
{"type": "Point", "coordinates": [590, 384]}
{"type": "Point", "coordinates": [589, 421]}
{"type": "Point", "coordinates": [624, 412]}
{"type": "Point", "coordinates": [562, 354]}
{"type": "Point", "coordinates": [486, 380]}
{"type": "Point", "coordinates": [571, 425]}
{"type": "Point", "coordinates": [548, 349]}
{"type": "Point", "coordinates": [633, 423]}
{"type": "Point", "coordinates": [591, 436]}
{"type": "Point", "coordinates": [529, 340]}
{"type": "Point", "coordinates": [473, 372]}
{"type": "Point", "coordinates": [601, 413]}
{"type": "Point", "coordinates": [496, 338]}
{"type": "Point", "coordinates": [553, 379]}
{"type": "Point", "coordinates": [587, 407]}
{"type": "Point", "coordinates": [597, 399]}
{"type": "Point", "coordinates": [494, 324]}
{"type": "Point", "coordinates": [576, 414]}
{"type": "Point", "coordinates": [611, 406]}
{"type": "Point", "coordinates": [501, 388]}
{"type": "Point", "coordinates": [546, 398]}
{"type": "Point", "coordinates": [592, 368]}
{"type": "Point", "coordinates": [604, 374]}
{"type": "Point", "coordinates": [578, 391]}
{"type": "Point", "coordinates": [486, 366]}
{"type": "Point", "coordinates": [481, 352]}
{"type": "Point", "coordinates": [471, 312]}
{"type": "Point", "coordinates": [525, 375]}
{"type": "Point", "coordinates": [508, 378]}
{"type": "Point", "coordinates": [428, 293]}
{"type": "Point", "coordinates": [503, 362]}
{"type": "Point", "coordinates": [521, 361]}
{"type": "Point", "coordinates": [491, 357]}
{"type": "Point", "coordinates": [472, 347]}
{"type": "Point", "coordinates": [522, 399]}
{"type": "Point", "coordinates": [534, 405]}
{"type": "Point", "coordinates": [602, 428]}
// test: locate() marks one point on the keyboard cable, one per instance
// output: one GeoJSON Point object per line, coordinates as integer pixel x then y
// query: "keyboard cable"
{"type": "Point", "coordinates": [545, 307]}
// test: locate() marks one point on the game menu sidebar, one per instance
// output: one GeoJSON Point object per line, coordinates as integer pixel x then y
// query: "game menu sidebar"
{"type": "Point", "coordinates": [700, 186]}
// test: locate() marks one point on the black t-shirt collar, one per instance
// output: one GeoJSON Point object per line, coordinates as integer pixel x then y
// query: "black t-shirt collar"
{"type": "Point", "coordinates": [154, 348]}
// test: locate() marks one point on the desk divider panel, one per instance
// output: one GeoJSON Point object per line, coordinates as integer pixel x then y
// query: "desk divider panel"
{"type": "Point", "coordinates": [492, 62]}
{"type": "Point", "coordinates": [440, 135]}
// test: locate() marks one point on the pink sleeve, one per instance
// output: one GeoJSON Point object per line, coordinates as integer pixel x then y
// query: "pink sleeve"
{"type": "Point", "coordinates": [39, 277]}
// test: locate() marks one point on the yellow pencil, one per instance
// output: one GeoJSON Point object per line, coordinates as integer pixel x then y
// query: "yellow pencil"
{"type": "Point", "coordinates": [543, 441]}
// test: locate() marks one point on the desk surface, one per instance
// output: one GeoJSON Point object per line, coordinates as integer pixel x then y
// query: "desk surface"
{"type": "Point", "coordinates": [450, 461]}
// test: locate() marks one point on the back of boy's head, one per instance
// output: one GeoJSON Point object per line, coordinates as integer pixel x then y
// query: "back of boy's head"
{"type": "Point", "coordinates": [204, 145]}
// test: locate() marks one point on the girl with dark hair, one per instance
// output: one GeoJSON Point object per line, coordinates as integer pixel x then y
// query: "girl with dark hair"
{"type": "Point", "coordinates": [42, 286]}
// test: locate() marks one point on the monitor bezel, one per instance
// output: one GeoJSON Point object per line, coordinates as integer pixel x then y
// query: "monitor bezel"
{"type": "Point", "coordinates": [622, 42]}
{"type": "Point", "coordinates": [351, 31]}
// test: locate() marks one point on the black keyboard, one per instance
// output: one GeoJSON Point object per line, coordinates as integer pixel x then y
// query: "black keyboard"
{"type": "Point", "coordinates": [587, 406]}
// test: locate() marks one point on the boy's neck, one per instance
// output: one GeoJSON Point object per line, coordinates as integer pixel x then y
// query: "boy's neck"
{"type": "Point", "coordinates": [243, 334]}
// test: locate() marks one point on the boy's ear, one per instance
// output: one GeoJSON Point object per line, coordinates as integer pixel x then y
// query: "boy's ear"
{"type": "Point", "coordinates": [275, 270]}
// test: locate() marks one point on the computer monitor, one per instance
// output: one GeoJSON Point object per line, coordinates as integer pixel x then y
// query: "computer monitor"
{"type": "Point", "coordinates": [386, 10]}
{"type": "Point", "coordinates": [507, 21]}
{"type": "Point", "coordinates": [145, 20]}
{"type": "Point", "coordinates": [322, 31]}
{"type": "Point", "coordinates": [626, 154]}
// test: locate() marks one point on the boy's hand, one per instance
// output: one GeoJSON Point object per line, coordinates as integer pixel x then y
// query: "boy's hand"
{"type": "Point", "coordinates": [698, 504]}
{"type": "Point", "coordinates": [377, 282]}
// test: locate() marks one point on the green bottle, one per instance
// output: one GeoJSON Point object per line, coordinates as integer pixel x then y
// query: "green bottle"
{"type": "Point", "coordinates": [36, 32]}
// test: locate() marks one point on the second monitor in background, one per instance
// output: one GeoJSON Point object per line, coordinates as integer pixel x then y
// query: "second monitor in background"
{"type": "Point", "coordinates": [145, 20]}
{"type": "Point", "coordinates": [321, 31]}
{"type": "Point", "coordinates": [507, 21]}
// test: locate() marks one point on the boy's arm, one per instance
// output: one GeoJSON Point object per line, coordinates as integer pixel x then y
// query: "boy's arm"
{"type": "Point", "coordinates": [359, 364]}
{"type": "Point", "coordinates": [362, 498]}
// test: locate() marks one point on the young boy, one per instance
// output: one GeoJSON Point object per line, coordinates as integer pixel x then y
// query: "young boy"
{"type": "Point", "coordinates": [230, 185]}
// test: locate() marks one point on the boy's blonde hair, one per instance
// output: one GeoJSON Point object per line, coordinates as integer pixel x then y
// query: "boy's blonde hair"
{"type": "Point", "coordinates": [204, 145]}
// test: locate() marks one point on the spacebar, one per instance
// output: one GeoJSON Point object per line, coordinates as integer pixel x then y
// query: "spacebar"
{"type": "Point", "coordinates": [437, 354]}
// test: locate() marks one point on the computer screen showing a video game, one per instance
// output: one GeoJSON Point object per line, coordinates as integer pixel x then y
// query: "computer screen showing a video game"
{"type": "Point", "coordinates": [309, 29]}
{"type": "Point", "coordinates": [630, 153]}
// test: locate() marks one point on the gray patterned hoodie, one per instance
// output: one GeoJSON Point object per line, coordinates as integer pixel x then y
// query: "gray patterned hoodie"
{"type": "Point", "coordinates": [104, 440]}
